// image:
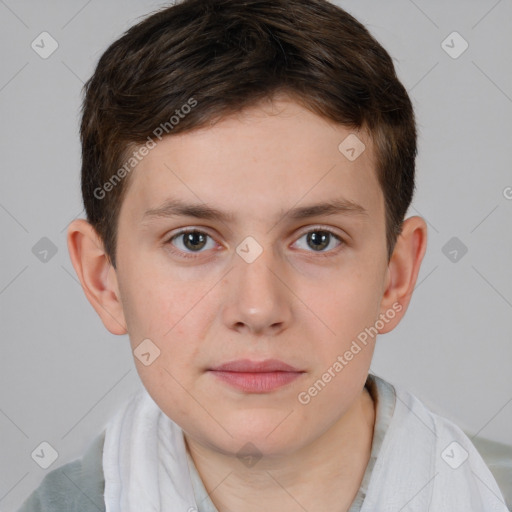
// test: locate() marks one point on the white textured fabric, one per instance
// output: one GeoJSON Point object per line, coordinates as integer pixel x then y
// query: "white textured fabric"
{"type": "Point", "coordinates": [418, 469]}
{"type": "Point", "coordinates": [144, 461]}
{"type": "Point", "coordinates": [427, 464]}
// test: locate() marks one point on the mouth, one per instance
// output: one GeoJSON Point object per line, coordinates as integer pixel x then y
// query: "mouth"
{"type": "Point", "coordinates": [256, 376]}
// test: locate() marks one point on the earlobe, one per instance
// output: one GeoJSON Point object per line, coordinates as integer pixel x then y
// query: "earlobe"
{"type": "Point", "coordinates": [97, 276]}
{"type": "Point", "coordinates": [403, 269]}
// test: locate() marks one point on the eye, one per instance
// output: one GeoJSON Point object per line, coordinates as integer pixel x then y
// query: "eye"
{"type": "Point", "coordinates": [320, 238]}
{"type": "Point", "coordinates": [190, 241]}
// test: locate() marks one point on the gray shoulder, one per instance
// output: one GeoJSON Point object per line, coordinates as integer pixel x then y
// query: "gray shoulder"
{"type": "Point", "coordinates": [74, 487]}
{"type": "Point", "coordinates": [498, 457]}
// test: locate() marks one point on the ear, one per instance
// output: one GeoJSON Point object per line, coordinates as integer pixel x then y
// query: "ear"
{"type": "Point", "coordinates": [402, 272]}
{"type": "Point", "coordinates": [96, 273]}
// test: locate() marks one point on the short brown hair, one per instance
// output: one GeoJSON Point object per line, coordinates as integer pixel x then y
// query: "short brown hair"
{"type": "Point", "coordinates": [232, 54]}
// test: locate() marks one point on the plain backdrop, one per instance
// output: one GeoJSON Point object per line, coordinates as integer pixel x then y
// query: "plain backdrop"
{"type": "Point", "coordinates": [63, 375]}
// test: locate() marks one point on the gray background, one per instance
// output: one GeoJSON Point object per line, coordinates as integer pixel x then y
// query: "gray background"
{"type": "Point", "coordinates": [63, 375]}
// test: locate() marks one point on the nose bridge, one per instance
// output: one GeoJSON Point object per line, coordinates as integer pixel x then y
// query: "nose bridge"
{"type": "Point", "coordinates": [257, 296]}
{"type": "Point", "coordinates": [256, 281]}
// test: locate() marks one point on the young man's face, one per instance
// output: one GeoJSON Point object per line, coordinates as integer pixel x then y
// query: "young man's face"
{"type": "Point", "coordinates": [254, 285]}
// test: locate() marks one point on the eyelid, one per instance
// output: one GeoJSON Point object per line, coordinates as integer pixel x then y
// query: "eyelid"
{"type": "Point", "coordinates": [321, 227]}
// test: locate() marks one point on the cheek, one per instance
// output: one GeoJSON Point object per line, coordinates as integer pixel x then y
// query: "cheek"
{"type": "Point", "coordinates": [345, 302]}
{"type": "Point", "coordinates": [152, 302]}
{"type": "Point", "coordinates": [172, 313]}
{"type": "Point", "coordinates": [343, 356]}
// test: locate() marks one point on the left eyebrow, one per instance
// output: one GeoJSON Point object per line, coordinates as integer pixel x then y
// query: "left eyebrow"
{"type": "Point", "coordinates": [333, 207]}
{"type": "Point", "coordinates": [176, 208]}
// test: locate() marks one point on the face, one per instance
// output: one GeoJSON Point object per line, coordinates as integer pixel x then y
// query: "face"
{"type": "Point", "coordinates": [266, 280]}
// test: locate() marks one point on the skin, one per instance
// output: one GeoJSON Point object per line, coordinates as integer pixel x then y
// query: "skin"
{"type": "Point", "coordinates": [293, 303]}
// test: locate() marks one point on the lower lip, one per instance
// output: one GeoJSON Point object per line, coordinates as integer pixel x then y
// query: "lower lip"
{"type": "Point", "coordinates": [262, 382]}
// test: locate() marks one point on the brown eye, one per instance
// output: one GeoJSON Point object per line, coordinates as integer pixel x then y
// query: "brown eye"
{"type": "Point", "coordinates": [194, 240]}
{"type": "Point", "coordinates": [190, 241]}
{"type": "Point", "coordinates": [320, 239]}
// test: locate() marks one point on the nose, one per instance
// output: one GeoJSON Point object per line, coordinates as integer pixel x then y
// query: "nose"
{"type": "Point", "coordinates": [258, 300]}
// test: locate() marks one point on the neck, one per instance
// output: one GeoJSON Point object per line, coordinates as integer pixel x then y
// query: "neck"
{"type": "Point", "coordinates": [328, 471]}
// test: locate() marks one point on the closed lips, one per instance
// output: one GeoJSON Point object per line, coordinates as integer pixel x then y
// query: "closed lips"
{"type": "Point", "coordinates": [248, 366]}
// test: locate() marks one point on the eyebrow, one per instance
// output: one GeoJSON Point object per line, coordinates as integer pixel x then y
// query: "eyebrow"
{"type": "Point", "coordinates": [177, 207]}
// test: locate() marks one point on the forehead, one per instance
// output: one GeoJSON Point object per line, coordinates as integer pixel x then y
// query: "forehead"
{"type": "Point", "coordinates": [264, 159]}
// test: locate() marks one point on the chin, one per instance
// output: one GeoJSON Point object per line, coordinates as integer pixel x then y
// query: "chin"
{"type": "Point", "coordinates": [268, 442]}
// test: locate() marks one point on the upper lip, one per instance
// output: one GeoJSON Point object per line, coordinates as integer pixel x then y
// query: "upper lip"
{"type": "Point", "coordinates": [248, 366]}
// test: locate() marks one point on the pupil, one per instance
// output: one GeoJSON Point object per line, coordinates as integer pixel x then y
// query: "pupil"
{"type": "Point", "coordinates": [319, 242]}
{"type": "Point", "coordinates": [192, 239]}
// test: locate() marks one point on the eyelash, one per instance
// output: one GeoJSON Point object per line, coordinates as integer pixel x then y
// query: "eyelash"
{"type": "Point", "coordinates": [192, 255]}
